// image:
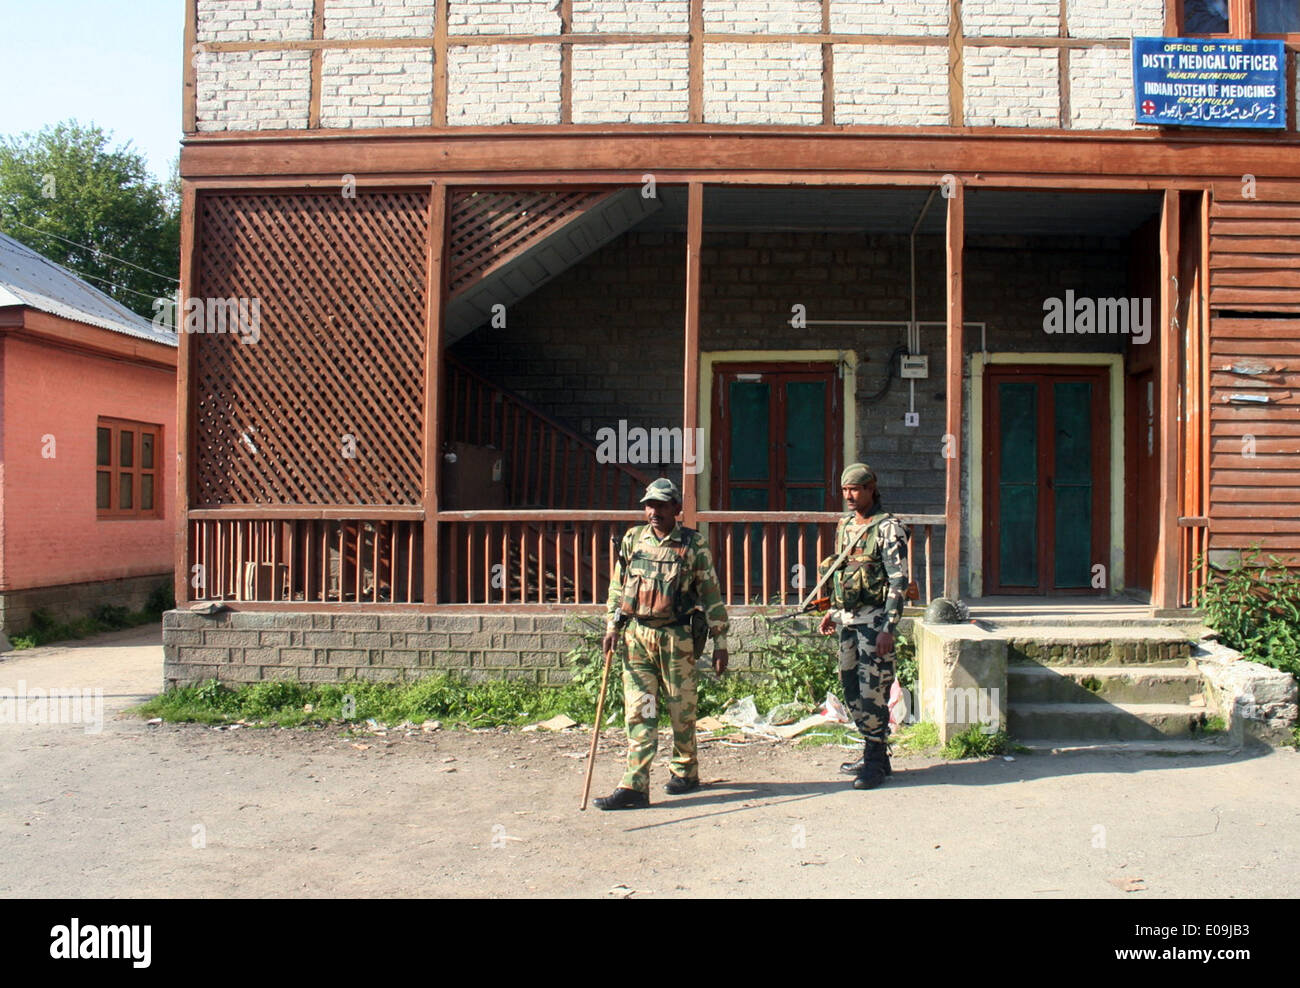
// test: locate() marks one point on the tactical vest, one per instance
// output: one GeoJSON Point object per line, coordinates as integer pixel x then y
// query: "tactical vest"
{"type": "Point", "coordinates": [861, 581]}
{"type": "Point", "coordinates": [655, 581]}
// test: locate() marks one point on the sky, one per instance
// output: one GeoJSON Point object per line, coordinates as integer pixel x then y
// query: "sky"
{"type": "Point", "coordinates": [114, 63]}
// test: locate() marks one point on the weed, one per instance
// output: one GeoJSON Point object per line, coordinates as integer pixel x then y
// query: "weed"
{"type": "Point", "coordinates": [905, 668]}
{"type": "Point", "coordinates": [1091, 683]}
{"type": "Point", "coordinates": [831, 734]}
{"type": "Point", "coordinates": [974, 743]}
{"type": "Point", "coordinates": [1212, 725]}
{"type": "Point", "coordinates": [1255, 608]}
{"type": "Point", "coordinates": [920, 738]}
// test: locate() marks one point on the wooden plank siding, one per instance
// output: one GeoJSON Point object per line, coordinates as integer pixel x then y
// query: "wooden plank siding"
{"type": "Point", "coordinates": [1254, 368]}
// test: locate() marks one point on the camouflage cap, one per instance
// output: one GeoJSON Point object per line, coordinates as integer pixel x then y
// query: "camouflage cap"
{"type": "Point", "coordinates": [662, 489]}
{"type": "Point", "coordinates": [858, 474]}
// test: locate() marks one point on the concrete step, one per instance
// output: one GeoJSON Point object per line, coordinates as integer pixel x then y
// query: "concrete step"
{"type": "Point", "coordinates": [1102, 684]}
{"type": "Point", "coordinates": [1094, 646]}
{"type": "Point", "coordinates": [1104, 721]}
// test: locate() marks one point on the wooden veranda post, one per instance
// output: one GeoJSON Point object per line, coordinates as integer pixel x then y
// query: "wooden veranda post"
{"type": "Point", "coordinates": [184, 398]}
{"type": "Point", "coordinates": [690, 397]}
{"type": "Point", "coordinates": [433, 385]}
{"type": "Point", "coordinates": [952, 447]}
{"type": "Point", "coordinates": [1164, 592]}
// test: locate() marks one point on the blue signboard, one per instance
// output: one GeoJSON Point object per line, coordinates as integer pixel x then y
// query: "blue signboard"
{"type": "Point", "coordinates": [1197, 82]}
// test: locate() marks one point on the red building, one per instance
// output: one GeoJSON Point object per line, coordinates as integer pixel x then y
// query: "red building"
{"type": "Point", "coordinates": [87, 439]}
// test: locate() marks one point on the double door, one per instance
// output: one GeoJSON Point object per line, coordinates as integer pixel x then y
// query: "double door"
{"type": "Point", "coordinates": [1047, 508]}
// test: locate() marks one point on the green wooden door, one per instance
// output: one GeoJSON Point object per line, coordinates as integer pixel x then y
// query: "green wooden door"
{"type": "Point", "coordinates": [1046, 509]}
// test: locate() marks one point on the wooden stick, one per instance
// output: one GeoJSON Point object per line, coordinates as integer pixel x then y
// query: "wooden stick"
{"type": "Point", "coordinates": [595, 730]}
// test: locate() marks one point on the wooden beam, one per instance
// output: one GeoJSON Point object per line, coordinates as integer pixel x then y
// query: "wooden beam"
{"type": "Point", "coordinates": [566, 64]}
{"type": "Point", "coordinates": [956, 242]}
{"type": "Point", "coordinates": [1164, 592]}
{"type": "Point", "coordinates": [695, 64]}
{"type": "Point", "coordinates": [691, 375]}
{"type": "Point", "coordinates": [317, 59]}
{"type": "Point", "coordinates": [189, 103]}
{"type": "Point", "coordinates": [724, 153]}
{"type": "Point", "coordinates": [956, 66]}
{"type": "Point", "coordinates": [440, 75]}
{"type": "Point", "coordinates": [433, 377]}
{"type": "Point", "coordinates": [828, 68]}
{"type": "Point", "coordinates": [1063, 68]}
{"type": "Point", "coordinates": [185, 384]}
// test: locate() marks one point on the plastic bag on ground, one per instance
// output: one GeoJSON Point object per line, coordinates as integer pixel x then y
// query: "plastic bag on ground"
{"type": "Point", "coordinates": [741, 713]}
{"type": "Point", "coordinates": [833, 710]}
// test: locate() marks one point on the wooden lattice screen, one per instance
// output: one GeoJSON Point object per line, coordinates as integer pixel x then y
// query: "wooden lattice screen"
{"type": "Point", "coordinates": [488, 228]}
{"type": "Point", "coordinates": [326, 407]}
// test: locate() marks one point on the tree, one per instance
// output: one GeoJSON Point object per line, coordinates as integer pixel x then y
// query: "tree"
{"type": "Point", "coordinates": [94, 209]}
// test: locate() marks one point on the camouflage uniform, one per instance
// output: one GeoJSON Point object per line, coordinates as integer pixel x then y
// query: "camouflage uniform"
{"type": "Point", "coordinates": [660, 662]}
{"type": "Point", "coordinates": [879, 560]}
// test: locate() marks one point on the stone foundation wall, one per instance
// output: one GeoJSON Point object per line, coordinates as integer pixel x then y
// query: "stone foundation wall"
{"type": "Point", "coordinates": [248, 647]}
{"type": "Point", "coordinates": [75, 600]}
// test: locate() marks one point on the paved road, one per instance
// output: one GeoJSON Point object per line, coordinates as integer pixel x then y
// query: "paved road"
{"type": "Point", "coordinates": [180, 810]}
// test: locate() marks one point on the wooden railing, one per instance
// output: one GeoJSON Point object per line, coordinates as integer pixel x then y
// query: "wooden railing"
{"type": "Point", "coordinates": [772, 556]}
{"type": "Point", "coordinates": [546, 464]}
{"type": "Point", "coordinates": [349, 555]}
{"type": "Point", "coordinates": [566, 557]}
{"type": "Point", "coordinates": [1194, 544]}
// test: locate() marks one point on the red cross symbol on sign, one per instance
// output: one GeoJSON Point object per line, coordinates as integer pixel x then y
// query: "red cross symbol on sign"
{"type": "Point", "coordinates": [1148, 107]}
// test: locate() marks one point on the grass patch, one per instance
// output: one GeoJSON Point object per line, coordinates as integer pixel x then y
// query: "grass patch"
{"type": "Point", "coordinates": [919, 739]}
{"type": "Point", "coordinates": [974, 743]}
{"type": "Point", "coordinates": [45, 628]}
{"type": "Point", "coordinates": [1213, 725]}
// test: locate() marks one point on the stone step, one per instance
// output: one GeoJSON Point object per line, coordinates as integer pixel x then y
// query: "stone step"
{"type": "Point", "coordinates": [1091, 646]}
{"type": "Point", "coordinates": [1105, 722]}
{"type": "Point", "coordinates": [1102, 684]}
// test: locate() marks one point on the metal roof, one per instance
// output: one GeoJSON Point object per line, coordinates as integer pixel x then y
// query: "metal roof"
{"type": "Point", "coordinates": [28, 278]}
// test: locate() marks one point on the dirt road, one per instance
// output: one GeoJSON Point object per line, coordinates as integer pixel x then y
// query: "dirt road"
{"type": "Point", "coordinates": [178, 810]}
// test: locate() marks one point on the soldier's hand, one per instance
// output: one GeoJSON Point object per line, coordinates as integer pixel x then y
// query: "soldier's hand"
{"type": "Point", "coordinates": [827, 625]}
{"type": "Point", "coordinates": [884, 643]}
{"type": "Point", "coordinates": [609, 642]}
{"type": "Point", "coordinates": [720, 660]}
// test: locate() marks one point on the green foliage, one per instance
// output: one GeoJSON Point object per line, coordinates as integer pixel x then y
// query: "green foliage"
{"type": "Point", "coordinates": [44, 627]}
{"type": "Point", "coordinates": [587, 662]}
{"type": "Point", "coordinates": [919, 738]}
{"type": "Point", "coordinates": [1255, 608]}
{"type": "Point", "coordinates": [801, 667]}
{"type": "Point", "coordinates": [906, 670]}
{"type": "Point", "coordinates": [111, 616]}
{"type": "Point", "coordinates": [161, 598]}
{"type": "Point", "coordinates": [67, 194]}
{"type": "Point", "coordinates": [974, 743]}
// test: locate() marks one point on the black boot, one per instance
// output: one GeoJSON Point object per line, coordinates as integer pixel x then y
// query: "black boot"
{"type": "Point", "coordinates": [623, 799]}
{"type": "Point", "coordinates": [875, 767]}
{"type": "Point", "coordinates": [853, 768]}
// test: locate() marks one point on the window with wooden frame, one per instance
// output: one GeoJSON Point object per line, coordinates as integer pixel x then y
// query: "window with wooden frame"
{"type": "Point", "coordinates": [1238, 18]}
{"type": "Point", "coordinates": [127, 474]}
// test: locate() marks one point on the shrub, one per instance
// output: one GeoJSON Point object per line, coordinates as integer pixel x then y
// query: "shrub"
{"type": "Point", "coordinates": [1255, 608]}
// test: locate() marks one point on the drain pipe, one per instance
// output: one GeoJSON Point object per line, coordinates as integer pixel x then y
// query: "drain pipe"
{"type": "Point", "coordinates": [913, 329]}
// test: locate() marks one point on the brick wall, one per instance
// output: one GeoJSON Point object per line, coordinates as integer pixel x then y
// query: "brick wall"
{"type": "Point", "coordinates": [1012, 87]}
{"type": "Point", "coordinates": [379, 18]}
{"type": "Point", "coordinates": [621, 17]}
{"type": "Point", "coordinates": [504, 84]}
{"type": "Point", "coordinates": [254, 20]}
{"type": "Point", "coordinates": [253, 90]}
{"type": "Point", "coordinates": [71, 601]}
{"type": "Point", "coordinates": [375, 87]}
{"type": "Point", "coordinates": [1115, 18]}
{"type": "Point", "coordinates": [630, 84]}
{"type": "Point", "coordinates": [1101, 95]}
{"type": "Point", "coordinates": [894, 87]}
{"type": "Point", "coordinates": [770, 84]}
{"type": "Point", "coordinates": [647, 84]}
{"type": "Point", "coordinates": [247, 647]}
{"type": "Point", "coordinates": [911, 17]}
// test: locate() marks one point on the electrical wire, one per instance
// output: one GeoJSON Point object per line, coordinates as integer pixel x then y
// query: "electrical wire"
{"type": "Point", "coordinates": [897, 352]}
{"type": "Point", "coordinates": [97, 252]}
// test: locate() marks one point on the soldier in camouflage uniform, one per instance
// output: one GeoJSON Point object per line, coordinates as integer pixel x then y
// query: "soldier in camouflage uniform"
{"type": "Point", "coordinates": [663, 575]}
{"type": "Point", "coordinates": [867, 595]}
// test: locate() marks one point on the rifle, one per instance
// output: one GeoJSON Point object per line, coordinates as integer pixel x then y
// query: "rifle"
{"type": "Point", "coordinates": [821, 604]}
{"type": "Point", "coordinates": [814, 603]}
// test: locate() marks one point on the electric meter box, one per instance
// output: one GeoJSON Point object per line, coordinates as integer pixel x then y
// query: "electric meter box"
{"type": "Point", "coordinates": [915, 367]}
